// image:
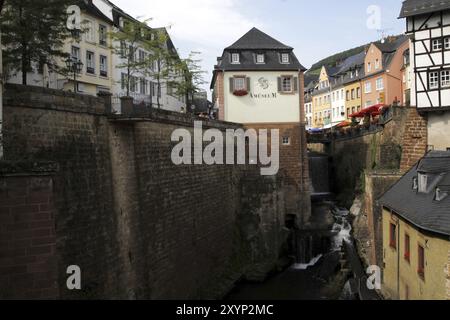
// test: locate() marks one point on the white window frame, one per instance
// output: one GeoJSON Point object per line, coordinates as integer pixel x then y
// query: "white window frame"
{"type": "Point", "coordinates": [423, 180]}
{"type": "Point", "coordinates": [445, 78]}
{"type": "Point", "coordinates": [90, 63]}
{"type": "Point", "coordinates": [377, 64]}
{"type": "Point", "coordinates": [369, 67]}
{"type": "Point", "coordinates": [286, 141]}
{"type": "Point", "coordinates": [90, 31]}
{"type": "Point", "coordinates": [447, 43]}
{"type": "Point", "coordinates": [285, 58]}
{"type": "Point", "coordinates": [103, 65]}
{"type": "Point", "coordinates": [76, 50]}
{"type": "Point", "coordinates": [239, 83]}
{"type": "Point", "coordinates": [235, 58]}
{"type": "Point", "coordinates": [380, 84]}
{"type": "Point", "coordinates": [436, 44]}
{"type": "Point", "coordinates": [287, 84]}
{"type": "Point", "coordinates": [102, 36]}
{"type": "Point", "coordinates": [433, 80]}
{"type": "Point", "coordinates": [368, 87]}
{"type": "Point", "coordinates": [260, 58]}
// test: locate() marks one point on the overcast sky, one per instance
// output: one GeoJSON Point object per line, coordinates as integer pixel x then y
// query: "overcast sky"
{"type": "Point", "coordinates": [314, 28]}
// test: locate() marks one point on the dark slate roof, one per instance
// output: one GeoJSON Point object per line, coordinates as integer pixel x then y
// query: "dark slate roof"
{"type": "Point", "coordinates": [252, 43]}
{"type": "Point", "coordinates": [421, 209]}
{"type": "Point", "coordinates": [256, 39]}
{"type": "Point", "coordinates": [418, 7]}
{"type": "Point", "coordinates": [91, 9]}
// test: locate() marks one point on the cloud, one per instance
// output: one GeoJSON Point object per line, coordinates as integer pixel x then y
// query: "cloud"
{"type": "Point", "coordinates": [207, 26]}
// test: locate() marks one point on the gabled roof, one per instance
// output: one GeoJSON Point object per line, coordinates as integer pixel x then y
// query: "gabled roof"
{"type": "Point", "coordinates": [91, 9]}
{"type": "Point", "coordinates": [416, 7]}
{"type": "Point", "coordinates": [256, 39]}
{"type": "Point", "coordinates": [422, 209]}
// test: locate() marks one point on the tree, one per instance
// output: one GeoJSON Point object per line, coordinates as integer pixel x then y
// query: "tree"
{"type": "Point", "coordinates": [161, 63]}
{"type": "Point", "coordinates": [33, 34]}
{"type": "Point", "coordinates": [192, 77]}
{"type": "Point", "coordinates": [126, 42]}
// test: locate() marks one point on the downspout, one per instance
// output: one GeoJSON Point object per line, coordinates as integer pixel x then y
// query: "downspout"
{"type": "Point", "coordinates": [398, 261]}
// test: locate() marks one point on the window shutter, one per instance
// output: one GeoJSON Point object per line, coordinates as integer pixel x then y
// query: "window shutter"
{"type": "Point", "coordinates": [248, 84]}
{"type": "Point", "coordinates": [295, 84]}
{"type": "Point", "coordinates": [231, 85]}
{"type": "Point", "coordinates": [279, 84]}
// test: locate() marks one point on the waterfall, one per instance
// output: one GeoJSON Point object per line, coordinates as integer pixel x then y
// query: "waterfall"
{"type": "Point", "coordinates": [319, 174]}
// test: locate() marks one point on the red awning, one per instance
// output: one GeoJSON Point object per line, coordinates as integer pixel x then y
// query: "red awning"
{"type": "Point", "coordinates": [372, 111]}
{"type": "Point", "coordinates": [343, 124]}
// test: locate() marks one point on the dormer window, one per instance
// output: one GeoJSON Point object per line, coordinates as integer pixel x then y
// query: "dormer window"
{"type": "Point", "coordinates": [285, 58]}
{"type": "Point", "coordinates": [415, 184]}
{"type": "Point", "coordinates": [423, 180]}
{"type": "Point", "coordinates": [440, 195]}
{"type": "Point", "coordinates": [235, 58]}
{"type": "Point", "coordinates": [260, 59]}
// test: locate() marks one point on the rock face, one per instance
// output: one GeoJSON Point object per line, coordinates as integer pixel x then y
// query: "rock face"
{"type": "Point", "coordinates": [361, 230]}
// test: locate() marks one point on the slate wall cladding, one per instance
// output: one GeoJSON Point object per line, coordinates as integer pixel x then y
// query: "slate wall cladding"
{"type": "Point", "coordinates": [137, 225]}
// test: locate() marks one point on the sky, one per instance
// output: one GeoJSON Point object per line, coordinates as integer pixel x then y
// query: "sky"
{"type": "Point", "coordinates": [315, 29]}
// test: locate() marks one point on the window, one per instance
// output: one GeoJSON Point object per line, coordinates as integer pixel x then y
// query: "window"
{"type": "Point", "coordinates": [447, 43]}
{"type": "Point", "coordinates": [239, 84]}
{"type": "Point", "coordinates": [421, 262]}
{"type": "Point", "coordinates": [415, 184]}
{"type": "Point", "coordinates": [353, 94]}
{"type": "Point", "coordinates": [285, 58]}
{"type": "Point", "coordinates": [351, 74]}
{"type": "Point", "coordinates": [393, 236]}
{"type": "Point", "coordinates": [90, 62]}
{"type": "Point", "coordinates": [357, 73]}
{"type": "Point", "coordinates": [434, 80]}
{"type": "Point", "coordinates": [286, 141]}
{"type": "Point", "coordinates": [90, 32]}
{"type": "Point", "coordinates": [380, 84]}
{"type": "Point", "coordinates": [235, 58]}
{"type": "Point", "coordinates": [368, 103]}
{"type": "Point", "coordinates": [436, 44]}
{"type": "Point", "coordinates": [75, 52]}
{"type": "Point", "coordinates": [133, 84]}
{"type": "Point", "coordinates": [423, 179]}
{"type": "Point", "coordinates": [142, 56]}
{"type": "Point", "coordinates": [369, 67]}
{"type": "Point", "coordinates": [142, 86]}
{"type": "Point", "coordinates": [348, 95]}
{"type": "Point", "coordinates": [358, 92]}
{"type": "Point", "coordinates": [102, 33]}
{"type": "Point", "coordinates": [368, 87]}
{"type": "Point", "coordinates": [260, 58]}
{"type": "Point", "coordinates": [123, 49]}
{"type": "Point", "coordinates": [445, 78]}
{"type": "Point", "coordinates": [286, 84]}
{"type": "Point", "coordinates": [407, 255]}
{"type": "Point", "coordinates": [103, 66]}
{"type": "Point", "coordinates": [123, 81]}
{"type": "Point", "coordinates": [377, 64]}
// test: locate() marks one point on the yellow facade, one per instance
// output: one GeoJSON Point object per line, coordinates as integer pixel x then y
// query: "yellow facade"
{"type": "Point", "coordinates": [91, 83]}
{"type": "Point", "coordinates": [322, 101]}
{"type": "Point", "coordinates": [353, 103]}
{"type": "Point", "coordinates": [401, 279]}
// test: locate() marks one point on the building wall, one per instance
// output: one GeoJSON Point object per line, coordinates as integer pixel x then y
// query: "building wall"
{"type": "Point", "coordinates": [415, 140]}
{"type": "Point", "coordinates": [321, 109]}
{"type": "Point", "coordinates": [91, 83]}
{"type": "Point", "coordinates": [269, 107]}
{"type": "Point", "coordinates": [438, 126]}
{"type": "Point", "coordinates": [401, 280]}
{"type": "Point", "coordinates": [338, 105]}
{"type": "Point", "coordinates": [353, 104]}
{"type": "Point", "coordinates": [28, 261]}
{"type": "Point", "coordinates": [138, 226]}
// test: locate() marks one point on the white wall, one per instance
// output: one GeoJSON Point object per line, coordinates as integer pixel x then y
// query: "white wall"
{"type": "Point", "coordinates": [271, 108]}
{"type": "Point", "coordinates": [338, 106]}
{"type": "Point", "coordinates": [438, 130]}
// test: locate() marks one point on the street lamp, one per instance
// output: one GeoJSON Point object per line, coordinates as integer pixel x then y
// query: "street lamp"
{"type": "Point", "coordinates": [74, 66]}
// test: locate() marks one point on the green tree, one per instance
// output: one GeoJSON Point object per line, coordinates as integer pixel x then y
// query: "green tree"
{"type": "Point", "coordinates": [34, 33]}
{"type": "Point", "coordinates": [161, 63]}
{"type": "Point", "coordinates": [191, 77]}
{"type": "Point", "coordinates": [126, 42]}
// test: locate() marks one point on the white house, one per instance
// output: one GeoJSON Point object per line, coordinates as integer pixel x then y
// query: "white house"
{"type": "Point", "coordinates": [428, 25]}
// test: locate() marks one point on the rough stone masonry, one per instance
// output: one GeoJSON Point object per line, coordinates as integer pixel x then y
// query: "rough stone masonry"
{"type": "Point", "coordinates": [138, 226]}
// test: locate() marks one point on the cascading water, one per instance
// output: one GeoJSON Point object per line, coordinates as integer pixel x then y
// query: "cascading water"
{"type": "Point", "coordinates": [342, 228]}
